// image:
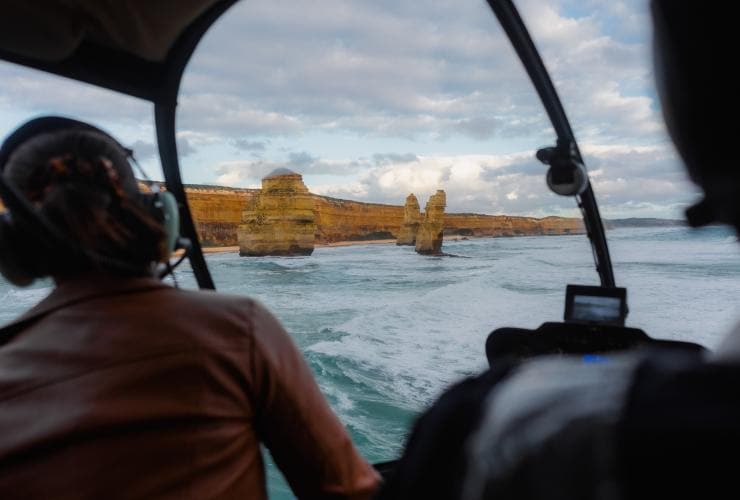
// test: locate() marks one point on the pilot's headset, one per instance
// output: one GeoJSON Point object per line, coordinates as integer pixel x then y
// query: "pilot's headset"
{"type": "Point", "coordinates": [27, 235]}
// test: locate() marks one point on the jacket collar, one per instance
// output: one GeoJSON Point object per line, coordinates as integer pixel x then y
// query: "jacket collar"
{"type": "Point", "coordinates": [81, 290]}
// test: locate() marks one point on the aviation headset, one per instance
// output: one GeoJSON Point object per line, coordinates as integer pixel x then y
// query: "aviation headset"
{"type": "Point", "coordinates": [23, 227]}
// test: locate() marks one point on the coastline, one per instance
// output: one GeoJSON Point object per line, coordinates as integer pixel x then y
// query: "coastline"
{"type": "Point", "coordinates": [349, 243]}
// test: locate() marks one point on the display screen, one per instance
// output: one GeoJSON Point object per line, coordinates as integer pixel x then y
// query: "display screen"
{"type": "Point", "coordinates": [594, 308]}
{"type": "Point", "coordinates": [595, 304]}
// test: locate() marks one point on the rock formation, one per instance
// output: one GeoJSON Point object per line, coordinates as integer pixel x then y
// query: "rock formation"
{"type": "Point", "coordinates": [505, 225]}
{"type": "Point", "coordinates": [345, 220]}
{"type": "Point", "coordinates": [411, 222]}
{"type": "Point", "coordinates": [280, 220]}
{"type": "Point", "coordinates": [429, 236]}
{"type": "Point", "coordinates": [217, 213]}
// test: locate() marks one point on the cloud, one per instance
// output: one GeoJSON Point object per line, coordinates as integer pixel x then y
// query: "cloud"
{"type": "Point", "coordinates": [250, 172]}
{"type": "Point", "coordinates": [143, 150]}
{"type": "Point", "coordinates": [247, 145]}
{"type": "Point", "coordinates": [392, 70]}
{"type": "Point", "coordinates": [390, 158]}
{"type": "Point", "coordinates": [185, 147]}
{"type": "Point", "coordinates": [439, 79]}
{"type": "Point", "coordinates": [301, 160]}
{"type": "Point", "coordinates": [647, 179]}
{"type": "Point", "coordinates": [231, 116]}
{"type": "Point", "coordinates": [359, 69]}
{"type": "Point", "coordinates": [479, 127]}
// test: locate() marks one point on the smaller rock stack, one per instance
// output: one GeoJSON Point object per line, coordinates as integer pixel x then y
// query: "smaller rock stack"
{"type": "Point", "coordinates": [429, 236]}
{"type": "Point", "coordinates": [411, 222]}
{"type": "Point", "coordinates": [280, 220]}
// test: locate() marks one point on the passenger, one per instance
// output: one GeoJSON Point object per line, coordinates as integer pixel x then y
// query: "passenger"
{"type": "Point", "coordinates": [656, 424]}
{"type": "Point", "coordinates": [120, 386]}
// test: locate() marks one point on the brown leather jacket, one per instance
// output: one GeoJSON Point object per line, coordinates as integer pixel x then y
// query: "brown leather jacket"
{"type": "Point", "coordinates": [133, 389]}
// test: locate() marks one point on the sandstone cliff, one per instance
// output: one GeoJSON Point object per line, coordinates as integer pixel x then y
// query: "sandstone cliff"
{"type": "Point", "coordinates": [505, 225]}
{"type": "Point", "coordinates": [411, 221]}
{"type": "Point", "coordinates": [280, 220]}
{"type": "Point", "coordinates": [216, 210]}
{"type": "Point", "coordinates": [429, 237]}
{"type": "Point", "coordinates": [344, 220]}
{"type": "Point", "coordinates": [217, 214]}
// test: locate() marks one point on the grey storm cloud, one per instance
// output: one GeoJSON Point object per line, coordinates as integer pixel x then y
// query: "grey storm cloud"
{"type": "Point", "coordinates": [304, 163]}
{"type": "Point", "coordinates": [301, 159]}
{"type": "Point", "coordinates": [247, 145]}
{"type": "Point", "coordinates": [525, 166]}
{"type": "Point", "coordinates": [143, 150]}
{"type": "Point", "coordinates": [388, 158]}
{"type": "Point", "coordinates": [479, 127]}
{"type": "Point", "coordinates": [185, 147]}
{"type": "Point", "coordinates": [146, 150]}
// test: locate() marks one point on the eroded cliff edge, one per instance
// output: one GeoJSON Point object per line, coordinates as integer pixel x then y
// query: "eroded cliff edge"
{"type": "Point", "coordinates": [217, 214]}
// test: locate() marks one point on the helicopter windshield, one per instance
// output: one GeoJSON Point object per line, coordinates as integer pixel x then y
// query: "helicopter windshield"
{"type": "Point", "coordinates": [350, 108]}
{"type": "Point", "coordinates": [371, 103]}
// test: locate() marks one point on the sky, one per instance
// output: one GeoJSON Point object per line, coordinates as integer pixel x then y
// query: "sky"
{"type": "Point", "coordinates": [373, 100]}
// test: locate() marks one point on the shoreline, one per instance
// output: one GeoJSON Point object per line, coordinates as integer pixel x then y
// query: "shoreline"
{"type": "Point", "coordinates": [348, 243]}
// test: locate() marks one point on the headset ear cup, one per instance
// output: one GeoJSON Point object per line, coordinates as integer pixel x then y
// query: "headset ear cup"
{"type": "Point", "coordinates": [14, 258]}
{"type": "Point", "coordinates": [170, 219]}
{"type": "Point", "coordinates": [162, 206]}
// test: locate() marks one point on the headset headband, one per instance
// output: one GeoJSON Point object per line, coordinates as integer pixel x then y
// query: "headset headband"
{"type": "Point", "coordinates": [42, 125]}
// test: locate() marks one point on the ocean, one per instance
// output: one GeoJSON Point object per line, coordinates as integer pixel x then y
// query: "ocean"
{"type": "Point", "coordinates": [386, 330]}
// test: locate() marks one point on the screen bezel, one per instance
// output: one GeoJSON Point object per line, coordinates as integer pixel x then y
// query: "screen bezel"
{"type": "Point", "coordinates": [572, 291]}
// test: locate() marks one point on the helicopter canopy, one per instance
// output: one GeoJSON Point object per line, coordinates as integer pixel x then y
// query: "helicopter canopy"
{"type": "Point", "coordinates": [53, 30]}
{"type": "Point", "coordinates": [129, 45]}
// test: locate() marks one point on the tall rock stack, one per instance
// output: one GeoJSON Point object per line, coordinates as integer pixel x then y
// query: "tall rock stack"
{"type": "Point", "coordinates": [281, 219]}
{"type": "Point", "coordinates": [429, 236]}
{"type": "Point", "coordinates": [411, 222]}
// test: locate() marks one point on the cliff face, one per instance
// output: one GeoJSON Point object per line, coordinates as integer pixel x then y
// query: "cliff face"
{"type": "Point", "coordinates": [344, 220]}
{"type": "Point", "coordinates": [217, 214]}
{"type": "Point", "coordinates": [280, 220]}
{"type": "Point", "coordinates": [429, 237]}
{"type": "Point", "coordinates": [504, 225]}
{"type": "Point", "coordinates": [411, 222]}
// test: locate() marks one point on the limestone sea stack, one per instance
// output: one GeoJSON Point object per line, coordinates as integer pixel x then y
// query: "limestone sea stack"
{"type": "Point", "coordinates": [429, 236]}
{"type": "Point", "coordinates": [280, 220]}
{"type": "Point", "coordinates": [411, 222]}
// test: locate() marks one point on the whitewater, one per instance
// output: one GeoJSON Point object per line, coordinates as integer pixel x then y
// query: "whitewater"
{"type": "Point", "coordinates": [386, 330]}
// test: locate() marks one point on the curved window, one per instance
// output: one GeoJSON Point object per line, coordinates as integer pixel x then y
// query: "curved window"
{"type": "Point", "coordinates": [371, 101]}
{"type": "Point", "coordinates": [347, 108]}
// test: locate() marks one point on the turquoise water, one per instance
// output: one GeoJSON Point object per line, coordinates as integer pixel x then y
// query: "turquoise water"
{"type": "Point", "coordinates": [386, 330]}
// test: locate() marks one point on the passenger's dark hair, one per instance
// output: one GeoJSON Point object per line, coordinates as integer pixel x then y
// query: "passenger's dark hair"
{"type": "Point", "coordinates": [81, 182]}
